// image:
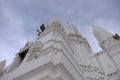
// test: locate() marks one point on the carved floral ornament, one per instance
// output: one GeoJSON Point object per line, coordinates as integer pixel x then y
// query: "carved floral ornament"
{"type": "Point", "coordinates": [92, 73]}
{"type": "Point", "coordinates": [35, 49]}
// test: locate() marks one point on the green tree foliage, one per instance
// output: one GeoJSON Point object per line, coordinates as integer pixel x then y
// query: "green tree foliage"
{"type": "Point", "coordinates": [116, 36]}
{"type": "Point", "coordinates": [41, 29]}
{"type": "Point", "coordinates": [38, 32]}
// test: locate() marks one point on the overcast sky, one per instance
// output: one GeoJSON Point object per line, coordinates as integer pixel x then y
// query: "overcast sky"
{"type": "Point", "coordinates": [19, 20]}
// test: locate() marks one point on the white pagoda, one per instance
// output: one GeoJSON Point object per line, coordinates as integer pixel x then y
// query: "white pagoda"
{"type": "Point", "coordinates": [62, 53]}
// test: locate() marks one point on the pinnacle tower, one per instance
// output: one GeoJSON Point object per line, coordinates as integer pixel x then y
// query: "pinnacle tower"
{"type": "Point", "coordinates": [101, 34]}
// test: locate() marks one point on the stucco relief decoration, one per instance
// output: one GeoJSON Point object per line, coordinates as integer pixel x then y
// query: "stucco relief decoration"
{"type": "Point", "coordinates": [92, 73]}
{"type": "Point", "coordinates": [35, 50]}
{"type": "Point", "coordinates": [2, 65]}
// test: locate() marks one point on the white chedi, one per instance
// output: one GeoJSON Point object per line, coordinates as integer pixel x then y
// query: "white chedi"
{"type": "Point", "coordinates": [101, 34]}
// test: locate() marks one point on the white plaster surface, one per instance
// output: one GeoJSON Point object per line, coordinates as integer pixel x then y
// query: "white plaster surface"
{"type": "Point", "coordinates": [62, 53]}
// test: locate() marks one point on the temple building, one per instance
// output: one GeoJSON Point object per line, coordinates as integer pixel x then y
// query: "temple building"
{"type": "Point", "coordinates": [61, 53]}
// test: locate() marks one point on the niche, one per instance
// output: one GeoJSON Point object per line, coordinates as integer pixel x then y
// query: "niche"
{"type": "Point", "coordinates": [23, 54]}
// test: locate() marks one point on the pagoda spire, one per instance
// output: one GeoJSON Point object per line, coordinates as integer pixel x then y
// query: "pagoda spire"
{"type": "Point", "coordinates": [101, 34]}
{"type": "Point", "coordinates": [79, 45]}
{"type": "Point", "coordinates": [55, 21]}
{"type": "Point", "coordinates": [70, 29]}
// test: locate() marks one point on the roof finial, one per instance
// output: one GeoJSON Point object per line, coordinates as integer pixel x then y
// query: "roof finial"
{"type": "Point", "coordinates": [55, 20]}
{"type": "Point", "coordinates": [93, 26]}
{"type": "Point", "coordinates": [101, 34]}
{"type": "Point", "coordinates": [27, 40]}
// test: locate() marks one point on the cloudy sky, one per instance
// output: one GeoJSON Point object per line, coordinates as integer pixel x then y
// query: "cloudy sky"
{"type": "Point", "coordinates": [19, 20]}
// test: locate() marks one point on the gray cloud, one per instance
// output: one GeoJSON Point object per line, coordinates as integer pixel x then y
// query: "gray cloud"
{"type": "Point", "coordinates": [19, 19]}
